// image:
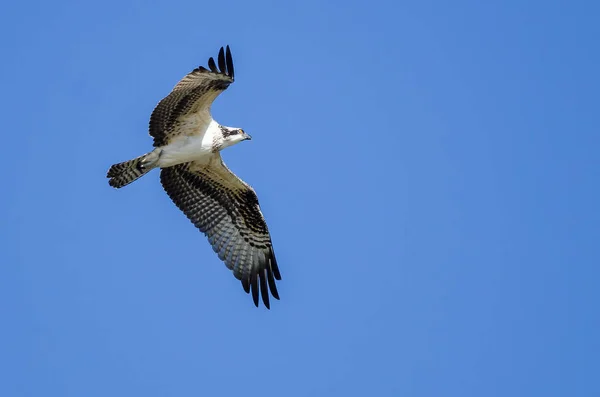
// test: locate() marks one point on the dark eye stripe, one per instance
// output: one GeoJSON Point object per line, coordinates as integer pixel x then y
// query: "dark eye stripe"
{"type": "Point", "coordinates": [227, 132]}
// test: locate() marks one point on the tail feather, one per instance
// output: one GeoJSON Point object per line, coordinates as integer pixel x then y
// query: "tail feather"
{"type": "Point", "coordinates": [124, 173]}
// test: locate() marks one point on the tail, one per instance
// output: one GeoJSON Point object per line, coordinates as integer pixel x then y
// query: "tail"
{"type": "Point", "coordinates": [124, 173]}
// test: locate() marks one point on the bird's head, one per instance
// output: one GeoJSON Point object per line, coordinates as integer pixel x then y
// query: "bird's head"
{"type": "Point", "coordinates": [231, 136]}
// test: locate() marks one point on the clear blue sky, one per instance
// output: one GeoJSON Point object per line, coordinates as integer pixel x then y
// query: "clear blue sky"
{"type": "Point", "coordinates": [429, 172]}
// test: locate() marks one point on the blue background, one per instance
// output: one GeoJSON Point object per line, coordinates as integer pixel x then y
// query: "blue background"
{"type": "Point", "coordinates": [428, 170]}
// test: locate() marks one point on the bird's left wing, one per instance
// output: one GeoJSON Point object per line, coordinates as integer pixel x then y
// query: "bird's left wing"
{"type": "Point", "coordinates": [226, 210]}
{"type": "Point", "coordinates": [195, 93]}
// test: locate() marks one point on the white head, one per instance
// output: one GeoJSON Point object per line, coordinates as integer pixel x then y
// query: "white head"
{"type": "Point", "coordinates": [231, 136]}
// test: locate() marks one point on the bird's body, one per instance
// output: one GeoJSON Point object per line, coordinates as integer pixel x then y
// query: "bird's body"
{"type": "Point", "coordinates": [187, 145]}
{"type": "Point", "coordinates": [184, 148]}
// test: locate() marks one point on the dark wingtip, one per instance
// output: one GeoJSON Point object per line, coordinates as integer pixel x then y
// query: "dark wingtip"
{"type": "Point", "coordinates": [212, 66]}
{"type": "Point", "coordinates": [264, 290]}
{"type": "Point", "coordinates": [221, 59]}
{"type": "Point", "coordinates": [246, 285]}
{"type": "Point", "coordinates": [274, 265]}
{"type": "Point", "coordinates": [254, 288]}
{"type": "Point", "coordinates": [272, 285]}
{"type": "Point", "coordinates": [263, 281]}
{"type": "Point", "coordinates": [229, 60]}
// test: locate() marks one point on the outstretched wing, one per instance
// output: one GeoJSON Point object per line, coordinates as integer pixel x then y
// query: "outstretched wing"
{"type": "Point", "coordinates": [226, 210]}
{"type": "Point", "coordinates": [193, 95]}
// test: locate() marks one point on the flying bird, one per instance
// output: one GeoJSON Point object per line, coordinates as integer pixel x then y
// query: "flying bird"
{"type": "Point", "coordinates": [187, 149]}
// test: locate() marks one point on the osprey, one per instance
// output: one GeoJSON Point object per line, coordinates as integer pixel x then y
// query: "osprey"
{"type": "Point", "coordinates": [187, 150]}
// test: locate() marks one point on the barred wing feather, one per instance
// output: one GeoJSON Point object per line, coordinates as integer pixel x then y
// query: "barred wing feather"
{"type": "Point", "coordinates": [226, 210]}
{"type": "Point", "coordinates": [193, 95]}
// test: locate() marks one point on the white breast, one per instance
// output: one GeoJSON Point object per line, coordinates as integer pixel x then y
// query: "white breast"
{"type": "Point", "coordinates": [185, 148]}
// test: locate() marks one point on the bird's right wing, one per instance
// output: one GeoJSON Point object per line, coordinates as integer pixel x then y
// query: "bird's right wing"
{"type": "Point", "coordinates": [226, 210]}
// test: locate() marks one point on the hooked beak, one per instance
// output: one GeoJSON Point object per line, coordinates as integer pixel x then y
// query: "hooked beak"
{"type": "Point", "coordinates": [247, 136]}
